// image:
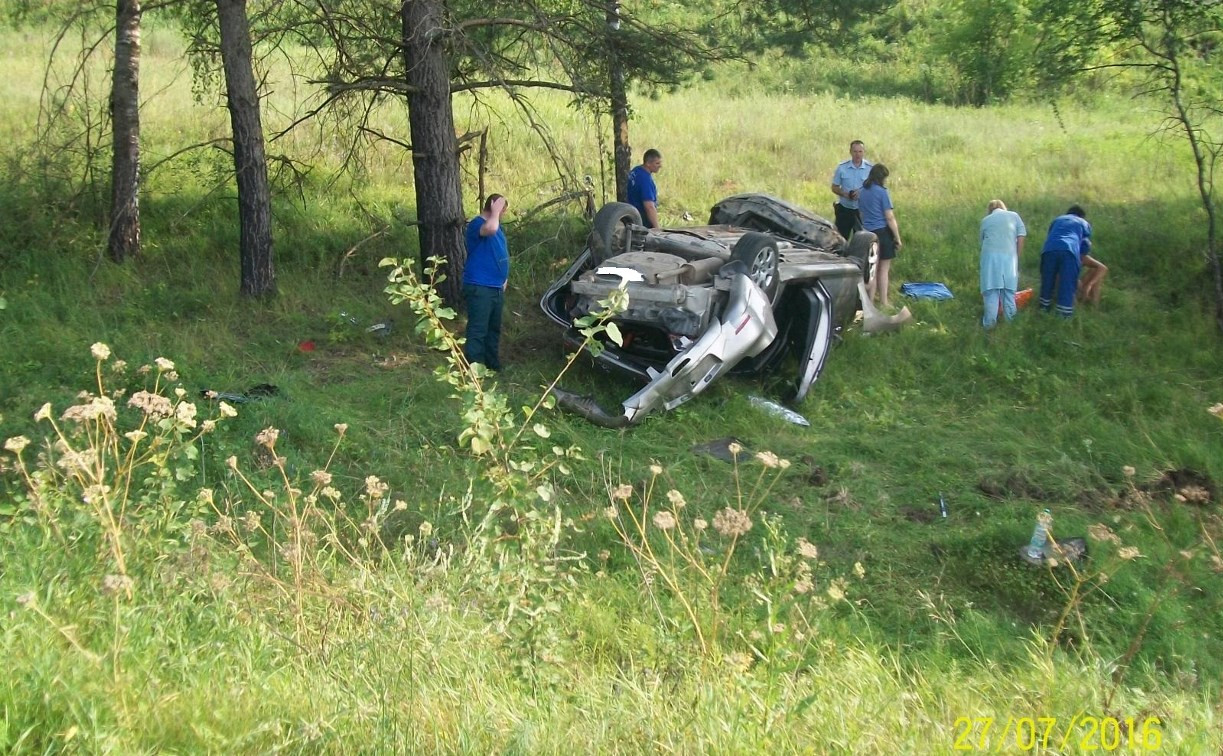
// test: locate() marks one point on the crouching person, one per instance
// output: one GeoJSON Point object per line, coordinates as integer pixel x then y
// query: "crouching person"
{"type": "Point", "coordinates": [1002, 236]}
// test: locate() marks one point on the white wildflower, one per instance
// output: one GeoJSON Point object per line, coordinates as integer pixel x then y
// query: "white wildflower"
{"type": "Point", "coordinates": [267, 437]}
{"type": "Point", "coordinates": [664, 520]}
{"type": "Point", "coordinates": [807, 549]}
{"type": "Point", "coordinates": [768, 459]}
{"type": "Point", "coordinates": [185, 414]}
{"type": "Point", "coordinates": [732, 522]}
{"type": "Point", "coordinates": [374, 487]}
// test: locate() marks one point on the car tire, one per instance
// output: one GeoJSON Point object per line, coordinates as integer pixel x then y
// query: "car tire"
{"type": "Point", "coordinates": [864, 247]}
{"type": "Point", "coordinates": [611, 223]}
{"type": "Point", "coordinates": [760, 253]}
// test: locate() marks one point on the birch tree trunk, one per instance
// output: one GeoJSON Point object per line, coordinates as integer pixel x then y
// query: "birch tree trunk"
{"type": "Point", "coordinates": [123, 240]}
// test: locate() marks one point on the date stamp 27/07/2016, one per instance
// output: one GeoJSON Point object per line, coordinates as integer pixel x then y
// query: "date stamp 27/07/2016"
{"type": "Point", "coordinates": [1079, 733]}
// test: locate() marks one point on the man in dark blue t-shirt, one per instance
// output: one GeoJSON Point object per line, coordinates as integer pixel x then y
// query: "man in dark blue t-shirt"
{"type": "Point", "coordinates": [1068, 240]}
{"type": "Point", "coordinates": [642, 194]}
{"type": "Point", "coordinates": [484, 280]}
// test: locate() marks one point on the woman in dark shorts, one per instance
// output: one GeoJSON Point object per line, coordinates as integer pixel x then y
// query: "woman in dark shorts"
{"type": "Point", "coordinates": [875, 206]}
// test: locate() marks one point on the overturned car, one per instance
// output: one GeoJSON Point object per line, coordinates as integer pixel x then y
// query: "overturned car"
{"type": "Point", "coordinates": [763, 281]}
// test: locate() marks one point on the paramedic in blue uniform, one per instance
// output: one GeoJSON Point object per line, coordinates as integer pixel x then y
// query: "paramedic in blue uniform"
{"type": "Point", "coordinates": [1061, 259]}
{"type": "Point", "coordinates": [1002, 236]}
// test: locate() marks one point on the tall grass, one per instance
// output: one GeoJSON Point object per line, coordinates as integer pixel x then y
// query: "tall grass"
{"type": "Point", "coordinates": [434, 635]}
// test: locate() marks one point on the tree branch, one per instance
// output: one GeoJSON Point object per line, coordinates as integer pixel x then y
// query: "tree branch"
{"type": "Point", "coordinates": [210, 143]}
{"type": "Point", "coordinates": [469, 86]}
{"type": "Point", "coordinates": [476, 23]}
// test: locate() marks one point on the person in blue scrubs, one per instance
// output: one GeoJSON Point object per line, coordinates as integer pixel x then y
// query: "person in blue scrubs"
{"type": "Point", "coordinates": [1061, 259]}
{"type": "Point", "coordinates": [1002, 236]}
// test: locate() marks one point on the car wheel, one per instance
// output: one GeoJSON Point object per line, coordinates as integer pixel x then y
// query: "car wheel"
{"type": "Point", "coordinates": [759, 252]}
{"type": "Point", "coordinates": [864, 247]}
{"type": "Point", "coordinates": [611, 232]}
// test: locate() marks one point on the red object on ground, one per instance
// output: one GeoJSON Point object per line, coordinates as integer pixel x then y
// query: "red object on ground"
{"type": "Point", "coordinates": [305, 346]}
{"type": "Point", "coordinates": [1022, 298]}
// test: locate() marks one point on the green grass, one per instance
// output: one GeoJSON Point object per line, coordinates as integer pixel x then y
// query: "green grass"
{"type": "Point", "coordinates": [405, 649]}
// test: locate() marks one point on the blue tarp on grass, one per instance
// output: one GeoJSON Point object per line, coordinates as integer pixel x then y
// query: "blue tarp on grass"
{"type": "Point", "coordinates": [926, 290]}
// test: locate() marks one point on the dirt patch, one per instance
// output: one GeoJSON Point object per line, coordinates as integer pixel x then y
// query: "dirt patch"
{"type": "Point", "coordinates": [921, 515]}
{"type": "Point", "coordinates": [720, 449]}
{"type": "Point", "coordinates": [1096, 500]}
{"type": "Point", "coordinates": [843, 499]}
{"type": "Point", "coordinates": [1186, 486]}
{"type": "Point", "coordinates": [818, 476]}
{"type": "Point", "coordinates": [1013, 485]}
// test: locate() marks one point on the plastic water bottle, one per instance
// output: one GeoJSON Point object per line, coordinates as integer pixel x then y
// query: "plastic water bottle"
{"type": "Point", "coordinates": [1040, 535]}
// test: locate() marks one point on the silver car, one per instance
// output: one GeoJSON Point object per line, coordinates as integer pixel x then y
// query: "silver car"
{"type": "Point", "coordinates": [763, 281]}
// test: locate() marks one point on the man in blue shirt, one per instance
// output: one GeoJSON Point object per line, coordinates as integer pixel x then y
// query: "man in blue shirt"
{"type": "Point", "coordinates": [642, 194]}
{"type": "Point", "coordinates": [1061, 259]}
{"type": "Point", "coordinates": [847, 181]}
{"type": "Point", "coordinates": [484, 280]}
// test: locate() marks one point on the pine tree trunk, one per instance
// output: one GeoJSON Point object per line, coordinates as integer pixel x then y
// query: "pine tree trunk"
{"type": "Point", "coordinates": [123, 240]}
{"type": "Point", "coordinates": [622, 153]}
{"type": "Point", "coordinates": [435, 155]}
{"type": "Point", "coordinates": [250, 161]}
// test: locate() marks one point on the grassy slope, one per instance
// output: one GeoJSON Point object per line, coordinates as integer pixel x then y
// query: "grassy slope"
{"type": "Point", "coordinates": [1045, 412]}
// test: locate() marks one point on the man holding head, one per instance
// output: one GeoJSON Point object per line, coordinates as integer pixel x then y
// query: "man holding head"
{"type": "Point", "coordinates": [642, 193]}
{"type": "Point", "coordinates": [484, 281]}
{"type": "Point", "coordinates": [847, 181]}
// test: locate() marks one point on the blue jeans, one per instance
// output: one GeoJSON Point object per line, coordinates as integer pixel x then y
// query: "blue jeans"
{"type": "Point", "coordinates": [992, 297]}
{"type": "Point", "coordinates": [483, 324]}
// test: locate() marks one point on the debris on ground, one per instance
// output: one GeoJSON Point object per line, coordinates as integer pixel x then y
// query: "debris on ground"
{"type": "Point", "coordinates": [775, 409]}
{"type": "Point", "coordinates": [720, 449]}
{"type": "Point", "coordinates": [1056, 553]}
{"type": "Point", "coordinates": [258, 391]}
{"type": "Point", "coordinates": [873, 319]}
{"type": "Point", "coordinates": [926, 290]}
